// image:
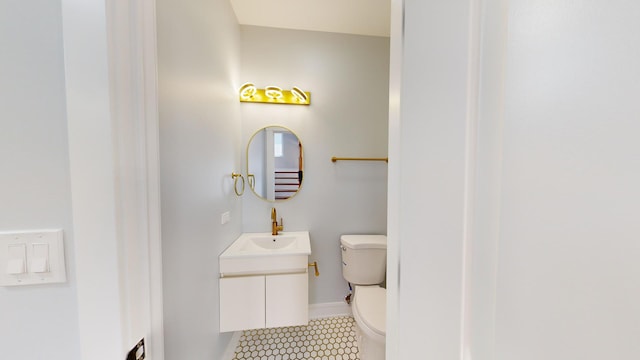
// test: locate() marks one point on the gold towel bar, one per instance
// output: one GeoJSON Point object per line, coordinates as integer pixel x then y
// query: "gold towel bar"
{"type": "Point", "coordinates": [334, 159]}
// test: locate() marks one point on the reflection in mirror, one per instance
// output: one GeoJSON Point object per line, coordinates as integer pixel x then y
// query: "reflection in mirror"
{"type": "Point", "coordinates": [274, 163]}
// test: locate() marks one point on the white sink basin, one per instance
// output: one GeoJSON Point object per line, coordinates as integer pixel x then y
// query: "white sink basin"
{"type": "Point", "coordinates": [263, 253]}
{"type": "Point", "coordinates": [270, 242]}
{"type": "Point", "coordinates": [265, 244]}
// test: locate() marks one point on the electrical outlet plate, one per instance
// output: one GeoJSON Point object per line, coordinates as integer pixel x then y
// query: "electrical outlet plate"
{"type": "Point", "coordinates": [225, 217]}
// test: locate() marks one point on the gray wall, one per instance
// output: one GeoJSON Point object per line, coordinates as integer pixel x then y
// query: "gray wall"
{"type": "Point", "coordinates": [199, 148]}
{"type": "Point", "coordinates": [348, 77]}
{"type": "Point", "coordinates": [35, 177]}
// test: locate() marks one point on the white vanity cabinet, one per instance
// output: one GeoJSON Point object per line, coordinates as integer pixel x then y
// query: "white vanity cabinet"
{"type": "Point", "coordinates": [263, 301]}
{"type": "Point", "coordinates": [287, 300]}
{"type": "Point", "coordinates": [242, 303]}
{"type": "Point", "coordinates": [264, 281]}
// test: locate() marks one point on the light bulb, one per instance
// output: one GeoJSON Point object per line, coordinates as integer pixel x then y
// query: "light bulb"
{"type": "Point", "coordinates": [299, 94]}
{"type": "Point", "coordinates": [273, 92]}
{"type": "Point", "coordinates": [247, 90]}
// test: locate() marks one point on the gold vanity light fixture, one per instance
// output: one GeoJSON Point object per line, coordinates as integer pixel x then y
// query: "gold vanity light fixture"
{"type": "Point", "coordinates": [274, 95]}
{"type": "Point", "coordinates": [273, 92]}
{"type": "Point", "coordinates": [300, 95]}
{"type": "Point", "coordinates": [247, 91]}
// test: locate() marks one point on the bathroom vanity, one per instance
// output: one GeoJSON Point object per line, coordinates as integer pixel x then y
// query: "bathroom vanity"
{"type": "Point", "coordinates": [264, 281]}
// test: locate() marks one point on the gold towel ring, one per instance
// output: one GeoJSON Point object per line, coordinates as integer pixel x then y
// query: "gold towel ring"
{"type": "Point", "coordinates": [235, 183]}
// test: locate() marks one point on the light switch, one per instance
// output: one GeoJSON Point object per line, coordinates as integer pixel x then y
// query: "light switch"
{"type": "Point", "coordinates": [15, 267]}
{"type": "Point", "coordinates": [39, 258]}
{"type": "Point", "coordinates": [16, 259]}
{"type": "Point", "coordinates": [32, 257]}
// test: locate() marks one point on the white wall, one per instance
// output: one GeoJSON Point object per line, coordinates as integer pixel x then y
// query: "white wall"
{"type": "Point", "coordinates": [568, 285]}
{"type": "Point", "coordinates": [347, 76]}
{"type": "Point", "coordinates": [109, 52]}
{"type": "Point", "coordinates": [35, 185]}
{"type": "Point", "coordinates": [548, 267]}
{"type": "Point", "coordinates": [430, 190]}
{"type": "Point", "coordinates": [198, 60]}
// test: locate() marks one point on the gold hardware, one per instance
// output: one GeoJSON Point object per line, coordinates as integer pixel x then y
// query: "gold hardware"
{"type": "Point", "coordinates": [235, 177]}
{"type": "Point", "coordinates": [251, 179]}
{"type": "Point", "coordinates": [271, 95]}
{"type": "Point", "coordinates": [274, 223]}
{"type": "Point", "coordinates": [315, 265]}
{"type": "Point", "coordinates": [334, 159]}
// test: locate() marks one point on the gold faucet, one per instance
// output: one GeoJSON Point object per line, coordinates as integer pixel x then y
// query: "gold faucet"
{"type": "Point", "coordinates": [274, 223]}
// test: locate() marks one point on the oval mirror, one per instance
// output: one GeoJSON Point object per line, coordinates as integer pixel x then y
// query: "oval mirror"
{"type": "Point", "coordinates": [274, 163]}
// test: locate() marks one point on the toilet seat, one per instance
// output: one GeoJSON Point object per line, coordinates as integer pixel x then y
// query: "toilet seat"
{"type": "Point", "coordinates": [370, 307]}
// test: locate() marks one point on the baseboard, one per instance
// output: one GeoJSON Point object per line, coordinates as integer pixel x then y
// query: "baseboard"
{"type": "Point", "coordinates": [331, 309]}
{"type": "Point", "coordinates": [316, 311]}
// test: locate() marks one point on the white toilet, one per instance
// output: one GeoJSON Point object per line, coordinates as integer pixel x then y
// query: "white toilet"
{"type": "Point", "coordinates": [364, 261]}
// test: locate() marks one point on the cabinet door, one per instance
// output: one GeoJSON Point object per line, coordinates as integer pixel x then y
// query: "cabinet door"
{"type": "Point", "coordinates": [287, 300]}
{"type": "Point", "coordinates": [241, 303]}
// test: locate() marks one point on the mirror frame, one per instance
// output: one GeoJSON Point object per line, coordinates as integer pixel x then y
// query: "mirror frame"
{"type": "Point", "coordinates": [252, 184]}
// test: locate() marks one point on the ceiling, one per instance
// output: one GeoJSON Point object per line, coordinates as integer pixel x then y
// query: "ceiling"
{"type": "Point", "coordinates": [361, 17]}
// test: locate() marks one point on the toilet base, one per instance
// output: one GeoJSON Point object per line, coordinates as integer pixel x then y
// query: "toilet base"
{"type": "Point", "coordinates": [371, 345]}
{"type": "Point", "coordinates": [368, 348]}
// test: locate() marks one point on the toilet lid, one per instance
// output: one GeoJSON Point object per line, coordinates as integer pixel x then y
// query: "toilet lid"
{"type": "Point", "coordinates": [371, 304]}
{"type": "Point", "coordinates": [364, 241]}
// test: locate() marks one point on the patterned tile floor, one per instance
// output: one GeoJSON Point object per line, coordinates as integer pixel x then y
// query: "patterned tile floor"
{"type": "Point", "coordinates": [323, 339]}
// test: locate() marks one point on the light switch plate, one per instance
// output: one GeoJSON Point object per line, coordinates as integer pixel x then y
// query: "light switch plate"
{"type": "Point", "coordinates": [44, 260]}
{"type": "Point", "coordinates": [225, 217]}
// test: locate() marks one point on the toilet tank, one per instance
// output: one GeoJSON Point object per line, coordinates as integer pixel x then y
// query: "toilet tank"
{"type": "Point", "coordinates": [364, 258]}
